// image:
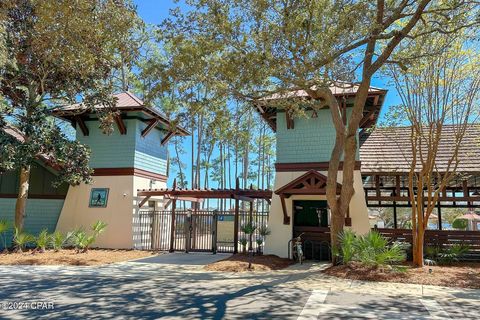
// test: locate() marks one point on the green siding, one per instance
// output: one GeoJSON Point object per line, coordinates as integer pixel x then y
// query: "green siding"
{"type": "Point", "coordinates": [311, 140]}
{"type": "Point", "coordinates": [40, 214]}
{"type": "Point", "coordinates": [126, 151]}
{"type": "Point", "coordinates": [41, 180]}
{"type": "Point", "coordinates": [150, 155]}
{"type": "Point", "coordinates": [110, 151]}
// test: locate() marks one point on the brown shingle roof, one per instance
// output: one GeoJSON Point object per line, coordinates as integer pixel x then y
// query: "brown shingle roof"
{"type": "Point", "coordinates": [388, 150]}
{"type": "Point", "coordinates": [126, 101]}
{"type": "Point", "coordinates": [340, 89]}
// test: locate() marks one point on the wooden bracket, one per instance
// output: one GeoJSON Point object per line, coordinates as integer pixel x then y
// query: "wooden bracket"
{"type": "Point", "coordinates": [167, 137]}
{"type": "Point", "coordinates": [82, 125]}
{"type": "Point", "coordinates": [290, 122]}
{"type": "Point", "coordinates": [152, 124]}
{"type": "Point", "coordinates": [143, 201]}
{"type": "Point", "coordinates": [286, 218]}
{"type": "Point", "coordinates": [121, 125]}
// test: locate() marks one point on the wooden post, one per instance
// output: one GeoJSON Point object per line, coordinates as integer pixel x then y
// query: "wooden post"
{"type": "Point", "coordinates": [172, 225]}
{"type": "Point", "coordinates": [439, 211]}
{"type": "Point", "coordinates": [250, 216]}
{"type": "Point", "coordinates": [214, 231]}
{"type": "Point", "coordinates": [395, 222]}
{"type": "Point", "coordinates": [235, 224]}
{"type": "Point", "coordinates": [397, 186]}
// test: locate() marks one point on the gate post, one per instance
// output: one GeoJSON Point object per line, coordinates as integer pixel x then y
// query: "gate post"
{"type": "Point", "coordinates": [172, 228]}
{"type": "Point", "coordinates": [188, 231]}
{"type": "Point", "coordinates": [235, 223]}
{"type": "Point", "coordinates": [214, 231]}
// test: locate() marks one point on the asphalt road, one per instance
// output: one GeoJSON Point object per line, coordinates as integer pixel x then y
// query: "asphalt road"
{"type": "Point", "coordinates": [176, 288]}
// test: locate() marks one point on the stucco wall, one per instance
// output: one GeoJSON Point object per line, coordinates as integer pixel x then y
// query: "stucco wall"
{"type": "Point", "coordinates": [277, 241]}
{"type": "Point", "coordinates": [40, 214]}
{"type": "Point", "coordinates": [119, 214]}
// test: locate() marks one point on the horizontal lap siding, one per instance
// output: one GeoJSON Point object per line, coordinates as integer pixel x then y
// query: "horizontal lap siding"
{"type": "Point", "coordinates": [311, 140]}
{"type": "Point", "coordinates": [40, 214]}
{"type": "Point", "coordinates": [110, 151]}
{"type": "Point", "coordinates": [150, 155]}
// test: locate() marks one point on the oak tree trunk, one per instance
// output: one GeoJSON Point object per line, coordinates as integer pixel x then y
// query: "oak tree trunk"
{"type": "Point", "coordinates": [22, 197]}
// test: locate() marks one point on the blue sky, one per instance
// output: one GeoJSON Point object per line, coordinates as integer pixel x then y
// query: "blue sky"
{"type": "Point", "coordinates": [154, 11]}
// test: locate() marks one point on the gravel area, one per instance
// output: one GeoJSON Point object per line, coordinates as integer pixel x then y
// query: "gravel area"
{"type": "Point", "coordinates": [463, 275]}
{"type": "Point", "coordinates": [71, 257]}
{"type": "Point", "coordinates": [239, 263]}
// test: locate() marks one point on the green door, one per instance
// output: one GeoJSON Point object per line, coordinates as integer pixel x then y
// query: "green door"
{"type": "Point", "coordinates": [310, 213]}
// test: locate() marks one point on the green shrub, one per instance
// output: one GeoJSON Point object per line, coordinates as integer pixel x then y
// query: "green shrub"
{"type": "Point", "coordinates": [446, 255]}
{"type": "Point", "coordinates": [371, 249]}
{"type": "Point", "coordinates": [22, 239]}
{"type": "Point", "coordinates": [43, 240]}
{"type": "Point", "coordinates": [452, 253]}
{"type": "Point", "coordinates": [4, 226]}
{"type": "Point", "coordinates": [460, 224]}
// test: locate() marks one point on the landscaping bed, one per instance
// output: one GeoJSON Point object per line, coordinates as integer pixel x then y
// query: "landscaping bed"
{"type": "Point", "coordinates": [464, 275]}
{"type": "Point", "coordinates": [71, 257]}
{"type": "Point", "coordinates": [239, 263]}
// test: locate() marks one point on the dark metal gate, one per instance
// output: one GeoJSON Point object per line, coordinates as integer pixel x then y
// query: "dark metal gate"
{"type": "Point", "coordinates": [201, 231]}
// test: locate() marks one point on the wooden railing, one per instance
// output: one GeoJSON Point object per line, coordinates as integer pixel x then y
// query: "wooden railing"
{"type": "Point", "coordinates": [434, 238]}
{"type": "Point", "coordinates": [438, 237]}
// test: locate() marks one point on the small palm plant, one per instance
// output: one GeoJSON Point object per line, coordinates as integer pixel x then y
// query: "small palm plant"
{"type": "Point", "coordinates": [347, 249]}
{"type": "Point", "coordinates": [43, 240]}
{"type": "Point", "coordinates": [371, 250]}
{"type": "Point", "coordinates": [22, 239]}
{"type": "Point", "coordinates": [60, 240]}
{"type": "Point", "coordinates": [248, 229]}
{"type": "Point", "coordinates": [82, 241]}
{"type": "Point", "coordinates": [263, 231]}
{"type": "Point", "coordinates": [98, 227]}
{"type": "Point", "coordinates": [4, 226]}
{"type": "Point", "coordinates": [243, 241]}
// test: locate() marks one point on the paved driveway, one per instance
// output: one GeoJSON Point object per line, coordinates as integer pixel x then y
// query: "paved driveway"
{"type": "Point", "coordinates": [173, 290]}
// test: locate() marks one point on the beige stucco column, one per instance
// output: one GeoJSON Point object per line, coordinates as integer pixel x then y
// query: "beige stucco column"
{"type": "Point", "coordinates": [119, 214]}
{"type": "Point", "coordinates": [277, 242]}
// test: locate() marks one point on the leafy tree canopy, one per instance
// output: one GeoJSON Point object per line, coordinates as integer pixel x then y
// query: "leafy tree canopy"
{"type": "Point", "coordinates": [55, 53]}
{"type": "Point", "coordinates": [250, 49]}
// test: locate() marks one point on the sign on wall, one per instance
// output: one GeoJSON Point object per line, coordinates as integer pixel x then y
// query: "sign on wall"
{"type": "Point", "coordinates": [98, 198]}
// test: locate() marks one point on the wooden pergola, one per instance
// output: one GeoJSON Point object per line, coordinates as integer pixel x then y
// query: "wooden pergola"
{"type": "Point", "coordinates": [197, 195]}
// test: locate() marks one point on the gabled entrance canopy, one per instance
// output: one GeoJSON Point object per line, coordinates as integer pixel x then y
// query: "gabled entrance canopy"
{"type": "Point", "coordinates": [310, 183]}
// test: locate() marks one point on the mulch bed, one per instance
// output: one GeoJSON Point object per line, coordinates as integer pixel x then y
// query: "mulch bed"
{"type": "Point", "coordinates": [239, 263]}
{"type": "Point", "coordinates": [464, 275]}
{"type": "Point", "coordinates": [70, 257]}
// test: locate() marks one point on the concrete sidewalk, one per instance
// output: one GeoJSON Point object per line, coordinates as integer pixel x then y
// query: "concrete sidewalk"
{"type": "Point", "coordinates": [174, 291]}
